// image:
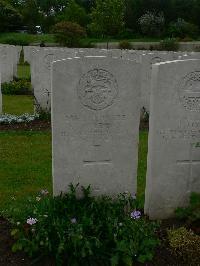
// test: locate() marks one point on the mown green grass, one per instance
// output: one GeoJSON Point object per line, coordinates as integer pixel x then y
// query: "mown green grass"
{"type": "Point", "coordinates": [18, 104]}
{"type": "Point", "coordinates": [23, 71]}
{"type": "Point", "coordinates": [25, 166]}
{"type": "Point", "coordinates": [25, 38]}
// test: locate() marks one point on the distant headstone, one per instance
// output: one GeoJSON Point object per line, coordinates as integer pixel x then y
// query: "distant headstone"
{"type": "Point", "coordinates": [7, 62]}
{"type": "Point", "coordinates": [42, 74]}
{"type": "Point", "coordinates": [95, 120]}
{"type": "Point", "coordinates": [148, 59]}
{"type": "Point", "coordinates": [174, 137]}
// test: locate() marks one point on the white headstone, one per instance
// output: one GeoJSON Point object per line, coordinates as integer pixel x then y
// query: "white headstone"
{"type": "Point", "coordinates": [6, 60]}
{"type": "Point", "coordinates": [174, 137]}
{"type": "Point", "coordinates": [95, 120]}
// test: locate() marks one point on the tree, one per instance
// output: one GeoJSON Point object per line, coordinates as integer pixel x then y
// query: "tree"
{"type": "Point", "coordinates": [68, 33]}
{"type": "Point", "coordinates": [152, 24]}
{"type": "Point", "coordinates": [107, 17]}
{"type": "Point", "coordinates": [74, 13]}
{"type": "Point", "coordinates": [31, 15]}
{"type": "Point", "coordinates": [10, 18]}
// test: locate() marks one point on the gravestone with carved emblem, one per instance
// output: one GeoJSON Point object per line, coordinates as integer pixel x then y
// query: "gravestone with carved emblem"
{"type": "Point", "coordinates": [95, 120]}
{"type": "Point", "coordinates": [174, 137]}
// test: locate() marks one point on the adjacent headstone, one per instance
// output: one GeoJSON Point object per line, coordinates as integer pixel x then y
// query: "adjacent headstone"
{"type": "Point", "coordinates": [6, 61]}
{"type": "Point", "coordinates": [174, 137]}
{"type": "Point", "coordinates": [42, 75]}
{"type": "Point", "coordinates": [148, 59]}
{"type": "Point", "coordinates": [95, 121]}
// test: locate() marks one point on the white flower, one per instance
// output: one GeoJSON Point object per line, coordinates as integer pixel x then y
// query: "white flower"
{"type": "Point", "coordinates": [31, 221]}
{"type": "Point", "coordinates": [38, 198]}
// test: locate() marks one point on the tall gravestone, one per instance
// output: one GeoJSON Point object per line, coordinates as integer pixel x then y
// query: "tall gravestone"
{"type": "Point", "coordinates": [95, 121]}
{"type": "Point", "coordinates": [174, 137]}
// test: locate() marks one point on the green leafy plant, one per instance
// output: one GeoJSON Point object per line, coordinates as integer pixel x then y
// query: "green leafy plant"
{"type": "Point", "coordinates": [124, 44]}
{"type": "Point", "coordinates": [169, 44]}
{"type": "Point", "coordinates": [79, 229]}
{"type": "Point", "coordinates": [185, 244]}
{"type": "Point", "coordinates": [68, 33]}
{"type": "Point", "coordinates": [17, 87]}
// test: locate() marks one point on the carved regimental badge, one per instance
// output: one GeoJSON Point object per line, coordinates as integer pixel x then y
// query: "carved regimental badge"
{"type": "Point", "coordinates": [189, 91]}
{"type": "Point", "coordinates": [97, 89]}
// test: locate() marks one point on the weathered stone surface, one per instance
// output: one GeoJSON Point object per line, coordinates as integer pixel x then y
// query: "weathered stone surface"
{"type": "Point", "coordinates": [7, 62]}
{"type": "Point", "coordinates": [95, 120]}
{"type": "Point", "coordinates": [174, 137]}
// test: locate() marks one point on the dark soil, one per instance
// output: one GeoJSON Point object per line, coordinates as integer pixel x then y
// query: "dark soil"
{"type": "Point", "coordinates": [31, 126]}
{"type": "Point", "coordinates": [163, 256]}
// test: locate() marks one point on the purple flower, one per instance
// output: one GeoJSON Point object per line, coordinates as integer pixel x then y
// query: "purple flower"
{"type": "Point", "coordinates": [73, 221]}
{"type": "Point", "coordinates": [136, 214]}
{"type": "Point", "coordinates": [31, 221]}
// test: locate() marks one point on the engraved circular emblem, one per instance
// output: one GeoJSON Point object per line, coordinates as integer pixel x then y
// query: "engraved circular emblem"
{"type": "Point", "coordinates": [189, 91]}
{"type": "Point", "coordinates": [97, 89]}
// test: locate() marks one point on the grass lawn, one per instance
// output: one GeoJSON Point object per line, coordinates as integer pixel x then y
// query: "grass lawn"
{"type": "Point", "coordinates": [23, 71]}
{"type": "Point", "coordinates": [25, 38]}
{"type": "Point", "coordinates": [26, 166]}
{"type": "Point", "coordinates": [18, 104]}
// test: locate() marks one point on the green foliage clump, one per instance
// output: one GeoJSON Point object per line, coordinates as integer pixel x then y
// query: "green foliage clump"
{"type": "Point", "coordinates": [169, 44]}
{"type": "Point", "coordinates": [191, 213]}
{"type": "Point", "coordinates": [124, 44]}
{"type": "Point", "coordinates": [185, 245]}
{"type": "Point", "coordinates": [107, 17]}
{"type": "Point", "coordinates": [183, 29]}
{"type": "Point", "coordinates": [17, 87]}
{"type": "Point", "coordinates": [69, 33]}
{"type": "Point", "coordinates": [79, 229]}
{"type": "Point", "coordinates": [74, 13]}
{"type": "Point", "coordinates": [152, 24]}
